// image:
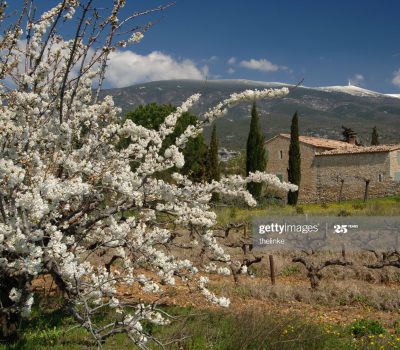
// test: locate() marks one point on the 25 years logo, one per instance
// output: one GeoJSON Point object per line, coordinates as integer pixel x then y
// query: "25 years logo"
{"type": "Point", "coordinates": [340, 228]}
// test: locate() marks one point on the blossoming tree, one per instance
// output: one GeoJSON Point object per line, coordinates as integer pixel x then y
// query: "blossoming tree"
{"type": "Point", "coordinates": [70, 203]}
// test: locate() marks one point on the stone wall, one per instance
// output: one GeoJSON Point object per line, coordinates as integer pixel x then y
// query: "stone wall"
{"type": "Point", "coordinates": [394, 163]}
{"type": "Point", "coordinates": [354, 169]}
{"type": "Point", "coordinates": [321, 175]}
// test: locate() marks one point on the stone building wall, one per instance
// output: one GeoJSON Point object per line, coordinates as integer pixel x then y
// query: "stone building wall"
{"type": "Point", "coordinates": [353, 169]}
{"type": "Point", "coordinates": [278, 166]}
{"type": "Point", "coordinates": [395, 165]}
{"type": "Point", "coordinates": [321, 174]}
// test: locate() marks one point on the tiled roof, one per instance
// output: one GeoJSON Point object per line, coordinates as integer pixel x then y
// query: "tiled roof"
{"type": "Point", "coordinates": [323, 143]}
{"type": "Point", "coordinates": [360, 149]}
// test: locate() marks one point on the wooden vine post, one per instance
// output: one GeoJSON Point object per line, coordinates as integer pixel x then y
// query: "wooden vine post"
{"type": "Point", "coordinates": [272, 269]}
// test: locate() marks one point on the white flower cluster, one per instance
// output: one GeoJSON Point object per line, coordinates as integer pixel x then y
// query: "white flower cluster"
{"type": "Point", "coordinates": [248, 95]}
{"type": "Point", "coordinates": [72, 202]}
{"type": "Point", "coordinates": [221, 301]}
{"type": "Point", "coordinates": [271, 180]}
{"type": "Point", "coordinates": [10, 174]}
{"type": "Point", "coordinates": [136, 38]}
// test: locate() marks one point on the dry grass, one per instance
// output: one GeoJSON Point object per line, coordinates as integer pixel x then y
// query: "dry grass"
{"type": "Point", "coordinates": [330, 294]}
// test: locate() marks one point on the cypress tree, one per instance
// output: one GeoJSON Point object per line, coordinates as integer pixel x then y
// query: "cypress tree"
{"type": "Point", "coordinates": [213, 169]}
{"type": "Point", "coordinates": [255, 153]}
{"type": "Point", "coordinates": [294, 171]}
{"type": "Point", "coordinates": [374, 137]}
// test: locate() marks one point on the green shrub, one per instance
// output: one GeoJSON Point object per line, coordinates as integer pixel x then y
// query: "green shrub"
{"type": "Point", "coordinates": [364, 327]}
{"type": "Point", "coordinates": [44, 336]}
{"type": "Point", "coordinates": [362, 299]}
{"type": "Point", "coordinates": [359, 206]}
{"type": "Point", "coordinates": [299, 210]}
{"type": "Point", "coordinates": [396, 327]}
{"type": "Point", "coordinates": [344, 212]}
{"type": "Point", "coordinates": [233, 212]}
{"type": "Point", "coordinates": [290, 270]}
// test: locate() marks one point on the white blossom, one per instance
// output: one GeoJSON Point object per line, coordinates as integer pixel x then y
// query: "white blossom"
{"type": "Point", "coordinates": [76, 206]}
{"type": "Point", "coordinates": [136, 37]}
{"type": "Point", "coordinates": [15, 295]}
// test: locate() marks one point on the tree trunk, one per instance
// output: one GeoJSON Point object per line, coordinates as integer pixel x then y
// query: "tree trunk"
{"type": "Point", "coordinates": [341, 191]}
{"type": "Point", "coordinates": [314, 276]}
{"type": "Point", "coordinates": [366, 190]}
{"type": "Point", "coordinates": [9, 325]}
{"type": "Point", "coordinates": [10, 312]}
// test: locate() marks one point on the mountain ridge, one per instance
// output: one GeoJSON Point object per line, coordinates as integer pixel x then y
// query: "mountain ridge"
{"type": "Point", "coordinates": [322, 110]}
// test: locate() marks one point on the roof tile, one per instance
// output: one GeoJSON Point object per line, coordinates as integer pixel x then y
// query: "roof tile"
{"type": "Point", "coordinates": [361, 149]}
{"type": "Point", "coordinates": [323, 143]}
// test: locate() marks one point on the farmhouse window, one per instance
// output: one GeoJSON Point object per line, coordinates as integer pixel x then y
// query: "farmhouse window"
{"type": "Point", "coordinates": [380, 177]}
{"type": "Point", "coordinates": [397, 176]}
{"type": "Point", "coordinates": [280, 154]}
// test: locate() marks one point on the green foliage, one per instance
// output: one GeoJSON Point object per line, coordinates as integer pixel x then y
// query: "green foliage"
{"type": "Point", "coordinates": [299, 210]}
{"type": "Point", "coordinates": [290, 270]}
{"type": "Point", "coordinates": [344, 212]}
{"type": "Point", "coordinates": [195, 154]}
{"type": "Point", "coordinates": [396, 327]}
{"type": "Point", "coordinates": [213, 168]}
{"type": "Point", "coordinates": [44, 336]}
{"type": "Point", "coordinates": [365, 327]}
{"type": "Point", "coordinates": [152, 115]}
{"type": "Point", "coordinates": [347, 133]}
{"type": "Point", "coordinates": [374, 137]}
{"type": "Point", "coordinates": [359, 206]}
{"type": "Point", "coordinates": [233, 212]}
{"type": "Point", "coordinates": [362, 299]}
{"type": "Point", "coordinates": [256, 158]}
{"type": "Point", "coordinates": [294, 169]}
{"type": "Point", "coordinates": [250, 329]}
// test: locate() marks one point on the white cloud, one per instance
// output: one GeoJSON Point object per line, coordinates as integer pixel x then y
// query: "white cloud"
{"type": "Point", "coordinates": [262, 65]}
{"type": "Point", "coordinates": [205, 71]}
{"type": "Point", "coordinates": [396, 78]}
{"type": "Point", "coordinates": [126, 68]}
{"type": "Point", "coordinates": [357, 79]}
{"type": "Point", "coordinates": [232, 60]}
{"type": "Point", "coordinates": [210, 60]}
{"type": "Point", "coordinates": [231, 70]}
{"type": "Point", "coordinates": [359, 76]}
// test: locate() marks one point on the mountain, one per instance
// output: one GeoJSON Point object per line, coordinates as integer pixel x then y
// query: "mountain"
{"type": "Point", "coordinates": [393, 95]}
{"type": "Point", "coordinates": [322, 111]}
{"type": "Point", "coordinates": [353, 90]}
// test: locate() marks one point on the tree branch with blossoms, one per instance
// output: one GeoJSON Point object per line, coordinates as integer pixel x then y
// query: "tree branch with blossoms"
{"type": "Point", "coordinates": [71, 204]}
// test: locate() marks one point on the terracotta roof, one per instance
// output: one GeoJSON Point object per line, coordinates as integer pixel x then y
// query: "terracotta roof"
{"type": "Point", "coordinates": [360, 149]}
{"type": "Point", "coordinates": [323, 143]}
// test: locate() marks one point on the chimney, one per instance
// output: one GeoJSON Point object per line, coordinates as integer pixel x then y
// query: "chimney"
{"type": "Point", "coordinates": [352, 138]}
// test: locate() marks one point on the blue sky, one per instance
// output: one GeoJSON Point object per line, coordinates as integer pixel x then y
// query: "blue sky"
{"type": "Point", "coordinates": [324, 42]}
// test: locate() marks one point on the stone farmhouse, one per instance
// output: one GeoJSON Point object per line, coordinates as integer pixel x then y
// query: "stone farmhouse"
{"type": "Point", "coordinates": [331, 168]}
